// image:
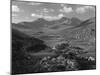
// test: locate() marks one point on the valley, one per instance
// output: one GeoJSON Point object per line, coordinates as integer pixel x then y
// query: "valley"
{"type": "Point", "coordinates": [33, 42]}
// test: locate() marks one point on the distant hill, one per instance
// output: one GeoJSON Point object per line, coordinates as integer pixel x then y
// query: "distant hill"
{"type": "Point", "coordinates": [82, 34]}
{"type": "Point", "coordinates": [85, 30]}
{"type": "Point", "coordinates": [41, 24]}
{"type": "Point", "coordinates": [75, 21]}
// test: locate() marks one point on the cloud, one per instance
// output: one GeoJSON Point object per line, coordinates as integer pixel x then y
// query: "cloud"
{"type": "Point", "coordinates": [61, 15]}
{"type": "Point", "coordinates": [36, 15]}
{"type": "Point", "coordinates": [47, 17]}
{"type": "Point", "coordinates": [15, 8]}
{"type": "Point", "coordinates": [34, 3]}
{"type": "Point", "coordinates": [84, 9]}
{"type": "Point", "coordinates": [66, 9]}
{"type": "Point", "coordinates": [53, 17]}
{"type": "Point", "coordinates": [44, 11]}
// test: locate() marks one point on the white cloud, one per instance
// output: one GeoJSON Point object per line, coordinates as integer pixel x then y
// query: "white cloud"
{"type": "Point", "coordinates": [84, 9]}
{"type": "Point", "coordinates": [66, 9]}
{"type": "Point", "coordinates": [47, 17]}
{"type": "Point", "coordinates": [15, 8]}
{"type": "Point", "coordinates": [43, 12]}
{"type": "Point", "coordinates": [53, 17]}
{"type": "Point", "coordinates": [61, 15]}
{"type": "Point", "coordinates": [36, 15]}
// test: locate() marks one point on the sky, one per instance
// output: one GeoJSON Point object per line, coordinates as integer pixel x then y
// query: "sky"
{"type": "Point", "coordinates": [31, 11]}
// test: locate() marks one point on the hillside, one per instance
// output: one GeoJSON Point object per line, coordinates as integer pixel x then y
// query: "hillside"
{"type": "Point", "coordinates": [27, 50]}
{"type": "Point", "coordinates": [22, 46]}
{"type": "Point", "coordinates": [82, 35]}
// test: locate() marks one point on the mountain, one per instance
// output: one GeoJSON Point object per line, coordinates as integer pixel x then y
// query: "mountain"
{"type": "Point", "coordinates": [65, 24]}
{"type": "Point", "coordinates": [80, 35]}
{"type": "Point", "coordinates": [22, 46]}
{"type": "Point", "coordinates": [18, 35]}
{"type": "Point", "coordinates": [21, 40]}
{"type": "Point", "coordinates": [86, 29]}
{"type": "Point", "coordinates": [75, 21]}
{"type": "Point", "coordinates": [64, 28]}
{"type": "Point", "coordinates": [83, 35]}
{"type": "Point", "coordinates": [41, 24]}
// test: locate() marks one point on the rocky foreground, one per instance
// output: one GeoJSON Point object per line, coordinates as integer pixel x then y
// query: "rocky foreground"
{"type": "Point", "coordinates": [67, 59]}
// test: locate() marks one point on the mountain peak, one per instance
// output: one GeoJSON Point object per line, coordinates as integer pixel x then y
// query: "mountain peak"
{"type": "Point", "coordinates": [40, 19]}
{"type": "Point", "coordinates": [64, 18]}
{"type": "Point", "coordinates": [75, 21]}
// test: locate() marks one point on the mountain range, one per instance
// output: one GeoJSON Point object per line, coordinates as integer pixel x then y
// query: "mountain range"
{"type": "Point", "coordinates": [40, 25]}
